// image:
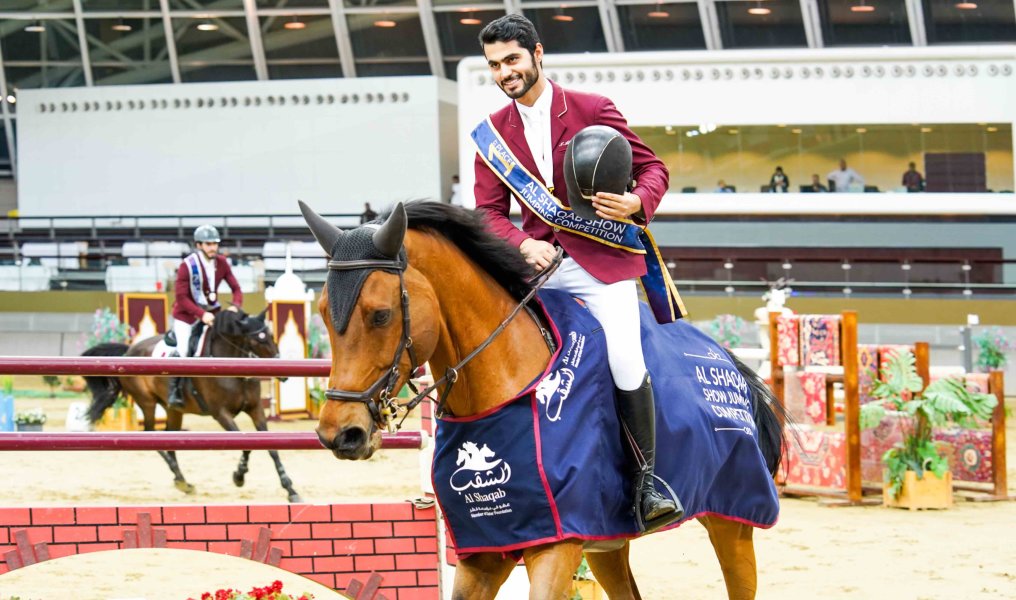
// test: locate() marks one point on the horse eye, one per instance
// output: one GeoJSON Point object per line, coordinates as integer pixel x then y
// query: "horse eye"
{"type": "Point", "coordinates": [382, 317]}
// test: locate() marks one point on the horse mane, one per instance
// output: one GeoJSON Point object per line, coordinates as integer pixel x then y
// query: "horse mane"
{"type": "Point", "coordinates": [467, 229]}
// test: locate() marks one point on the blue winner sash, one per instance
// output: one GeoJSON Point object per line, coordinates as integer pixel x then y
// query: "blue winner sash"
{"type": "Point", "coordinates": [624, 235]}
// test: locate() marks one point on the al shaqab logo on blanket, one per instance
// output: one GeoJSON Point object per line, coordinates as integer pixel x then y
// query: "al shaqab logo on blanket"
{"type": "Point", "coordinates": [476, 470]}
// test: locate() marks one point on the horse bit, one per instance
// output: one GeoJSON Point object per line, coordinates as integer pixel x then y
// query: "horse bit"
{"type": "Point", "coordinates": [387, 406]}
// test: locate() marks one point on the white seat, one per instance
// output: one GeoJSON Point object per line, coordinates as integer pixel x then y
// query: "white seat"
{"type": "Point", "coordinates": [127, 278]}
{"type": "Point", "coordinates": [25, 278]}
{"type": "Point", "coordinates": [306, 256]}
{"type": "Point", "coordinates": [63, 255]}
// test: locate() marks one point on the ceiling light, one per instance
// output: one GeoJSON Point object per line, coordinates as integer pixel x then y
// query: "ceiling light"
{"type": "Point", "coordinates": [862, 8]}
{"type": "Point", "coordinates": [758, 9]}
{"type": "Point", "coordinates": [966, 5]}
{"type": "Point", "coordinates": [733, 131]}
{"type": "Point", "coordinates": [295, 24]}
{"type": "Point", "coordinates": [563, 18]}
{"type": "Point", "coordinates": [926, 130]}
{"type": "Point", "coordinates": [795, 131]}
{"type": "Point", "coordinates": [11, 99]}
{"type": "Point", "coordinates": [658, 13]}
{"type": "Point", "coordinates": [470, 19]}
{"type": "Point", "coordinates": [121, 26]}
{"type": "Point", "coordinates": [207, 26]}
{"type": "Point", "coordinates": [36, 27]}
{"type": "Point", "coordinates": [992, 129]}
{"type": "Point", "coordinates": [385, 23]}
{"type": "Point", "coordinates": [861, 130]}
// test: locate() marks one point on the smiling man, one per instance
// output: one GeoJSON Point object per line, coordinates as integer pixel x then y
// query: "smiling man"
{"type": "Point", "coordinates": [530, 136]}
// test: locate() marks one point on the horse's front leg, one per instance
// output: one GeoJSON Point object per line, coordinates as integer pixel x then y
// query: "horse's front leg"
{"type": "Point", "coordinates": [261, 424]}
{"type": "Point", "coordinates": [614, 574]}
{"type": "Point", "coordinates": [736, 551]}
{"type": "Point", "coordinates": [550, 569]}
{"type": "Point", "coordinates": [480, 576]}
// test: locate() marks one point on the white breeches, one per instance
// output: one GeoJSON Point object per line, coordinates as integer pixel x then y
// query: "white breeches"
{"type": "Point", "coordinates": [183, 332]}
{"type": "Point", "coordinates": [616, 307]}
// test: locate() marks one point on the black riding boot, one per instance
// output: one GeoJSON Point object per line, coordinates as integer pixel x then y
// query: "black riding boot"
{"type": "Point", "coordinates": [175, 398]}
{"type": "Point", "coordinates": [638, 421]}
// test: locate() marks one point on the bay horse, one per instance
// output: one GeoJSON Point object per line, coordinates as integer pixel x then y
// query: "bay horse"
{"type": "Point", "coordinates": [233, 334]}
{"type": "Point", "coordinates": [465, 284]}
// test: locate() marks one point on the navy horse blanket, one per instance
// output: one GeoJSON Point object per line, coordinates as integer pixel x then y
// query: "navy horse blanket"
{"type": "Point", "coordinates": [548, 464]}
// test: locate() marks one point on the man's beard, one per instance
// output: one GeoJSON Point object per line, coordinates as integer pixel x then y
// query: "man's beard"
{"type": "Point", "coordinates": [529, 79]}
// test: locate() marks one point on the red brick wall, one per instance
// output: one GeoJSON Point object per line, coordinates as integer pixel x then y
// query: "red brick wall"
{"type": "Point", "coordinates": [329, 543]}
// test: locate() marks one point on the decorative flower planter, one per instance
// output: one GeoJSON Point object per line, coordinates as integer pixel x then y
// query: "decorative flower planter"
{"type": "Point", "coordinates": [928, 492]}
{"type": "Point", "coordinates": [29, 426]}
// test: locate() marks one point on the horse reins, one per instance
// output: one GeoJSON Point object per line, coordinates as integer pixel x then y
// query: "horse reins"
{"type": "Point", "coordinates": [386, 406]}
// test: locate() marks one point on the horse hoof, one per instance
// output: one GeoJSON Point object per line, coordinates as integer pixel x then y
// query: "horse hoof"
{"type": "Point", "coordinates": [238, 479]}
{"type": "Point", "coordinates": [295, 498]}
{"type": "Point", "coordinates": [184, 487]}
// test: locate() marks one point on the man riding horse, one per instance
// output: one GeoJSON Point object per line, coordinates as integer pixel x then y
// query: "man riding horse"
{"type": "Point", "coordinates": [196, 298]}
{"type": "Point", "coordinates": [540, 127]}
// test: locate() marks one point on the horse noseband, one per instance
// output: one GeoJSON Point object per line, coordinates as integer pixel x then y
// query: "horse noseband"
{"type": "Point", "coordinates": [385, 406]}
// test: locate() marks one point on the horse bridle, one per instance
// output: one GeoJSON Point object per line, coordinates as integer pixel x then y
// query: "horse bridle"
{"type": "Point", "coordinates": [386, 406]}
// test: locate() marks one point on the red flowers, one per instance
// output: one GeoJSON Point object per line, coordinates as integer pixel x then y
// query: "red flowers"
{"type": "Point", "coordinates": [269, 592]}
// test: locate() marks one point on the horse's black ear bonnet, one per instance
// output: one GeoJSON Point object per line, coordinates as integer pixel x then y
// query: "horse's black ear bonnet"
{"type": "Point", "coordinates": [344, 286]}
{"type": "Point", "coordinates": [598, 159]}
{"type": "Point", "coordinates": [360, 244]}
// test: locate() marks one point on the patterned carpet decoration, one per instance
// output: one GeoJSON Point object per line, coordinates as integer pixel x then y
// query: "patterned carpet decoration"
{"type": "Point", "coordinates": [820, 340]}
{"type": "Point", "coordinates": [788, 335]}
{"type": "Point", "coordinates": [813, 386]}
{"type": "Point", "coordinates": [867, 371]}
{"type": "Point", "coordinates": [817, 459]}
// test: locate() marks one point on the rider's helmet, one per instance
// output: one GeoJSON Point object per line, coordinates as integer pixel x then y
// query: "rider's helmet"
{"type": "Point", "coordinates": [206, 233]}
{"type": "Point", "coordinates": [598, 159]}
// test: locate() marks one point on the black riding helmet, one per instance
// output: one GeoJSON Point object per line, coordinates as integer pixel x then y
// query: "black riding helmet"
{"type": "Point", "coordinates": [598, 159]}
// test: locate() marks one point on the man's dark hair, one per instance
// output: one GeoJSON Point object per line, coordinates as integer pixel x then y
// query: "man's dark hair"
{"type": "Point", "coordinates": [511, 28]}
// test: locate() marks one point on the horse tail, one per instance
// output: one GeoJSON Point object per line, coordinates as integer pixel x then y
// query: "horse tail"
{"type": "Point", "coordinates": [770, 416]}
{"type": "Point", "coordinates": [105, 390]}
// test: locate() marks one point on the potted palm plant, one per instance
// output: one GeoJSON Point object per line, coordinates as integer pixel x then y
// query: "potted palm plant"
{"type": "Point", "coordinates": [916, 472]}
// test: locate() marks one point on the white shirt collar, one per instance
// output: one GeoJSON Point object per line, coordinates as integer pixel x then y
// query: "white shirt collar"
{"type": "Point", "coordinates": [541, 106]}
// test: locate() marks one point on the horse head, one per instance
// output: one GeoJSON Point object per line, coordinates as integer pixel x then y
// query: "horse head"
{"type": "Point", "coordinates": [246, 334]}
{"type": "Point", "coordinates": [363, 305]}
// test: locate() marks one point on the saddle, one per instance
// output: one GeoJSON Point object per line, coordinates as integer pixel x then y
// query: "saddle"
{"type": "Point", "coordinates": [169, 338]}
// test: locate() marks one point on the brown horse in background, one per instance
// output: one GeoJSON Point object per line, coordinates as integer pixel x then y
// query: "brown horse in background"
{"type": "Point", "coordinates": [463, 283]}
{"type": "Point", "coordinates": [234, 334]}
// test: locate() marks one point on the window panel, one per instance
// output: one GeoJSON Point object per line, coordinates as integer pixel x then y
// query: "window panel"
{"type": "Point", "coordinates": [6, 171]}
{"type": "Point", "coordinates": [459, 39]}
{"type": "Point", "coordinates": [119, 5]}
{"type": "Point", "coordinates": [376, 3]}
{"type": "Point", "coordinates": [128, 51]}
{"type": "Point", "coordinates": [214, 45]}
{"type": "Point", "coordinates": [45, 40]}
{"type": "Point", "coordinates": [292, 3]}
{"type": "Point", "coordinates": [40, 59]}
{"type": "Point", "coordinates": [864, 22]}
{"type": "Point", "coordinates": [200, 4]}
{"type": "Point", "coordinates": [782, 26]}
{"type": "Point", "coordinates": [661, 26]}
{"type": "Point", "coordinates": [951, 21]}
{"type": "Point", "coordinates": [572, 29]}
{"type": "Point", "coordinates": [745, 156]}
{"type": "Point", "coordinates": [37, 5]}
{"type": "Point", "coordinates": [386, 36]}
{"type": "Point", "coordinates": [300, 47]}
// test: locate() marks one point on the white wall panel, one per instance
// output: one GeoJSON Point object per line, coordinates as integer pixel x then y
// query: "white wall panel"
{"type": "Point", "coordinates": [332, 143]}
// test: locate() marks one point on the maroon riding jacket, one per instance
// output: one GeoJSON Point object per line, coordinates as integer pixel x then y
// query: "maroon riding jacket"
{"type": "Point", "coordinates": [571, 111]}
{"type": "Point", "coordinates": [184, 307]}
